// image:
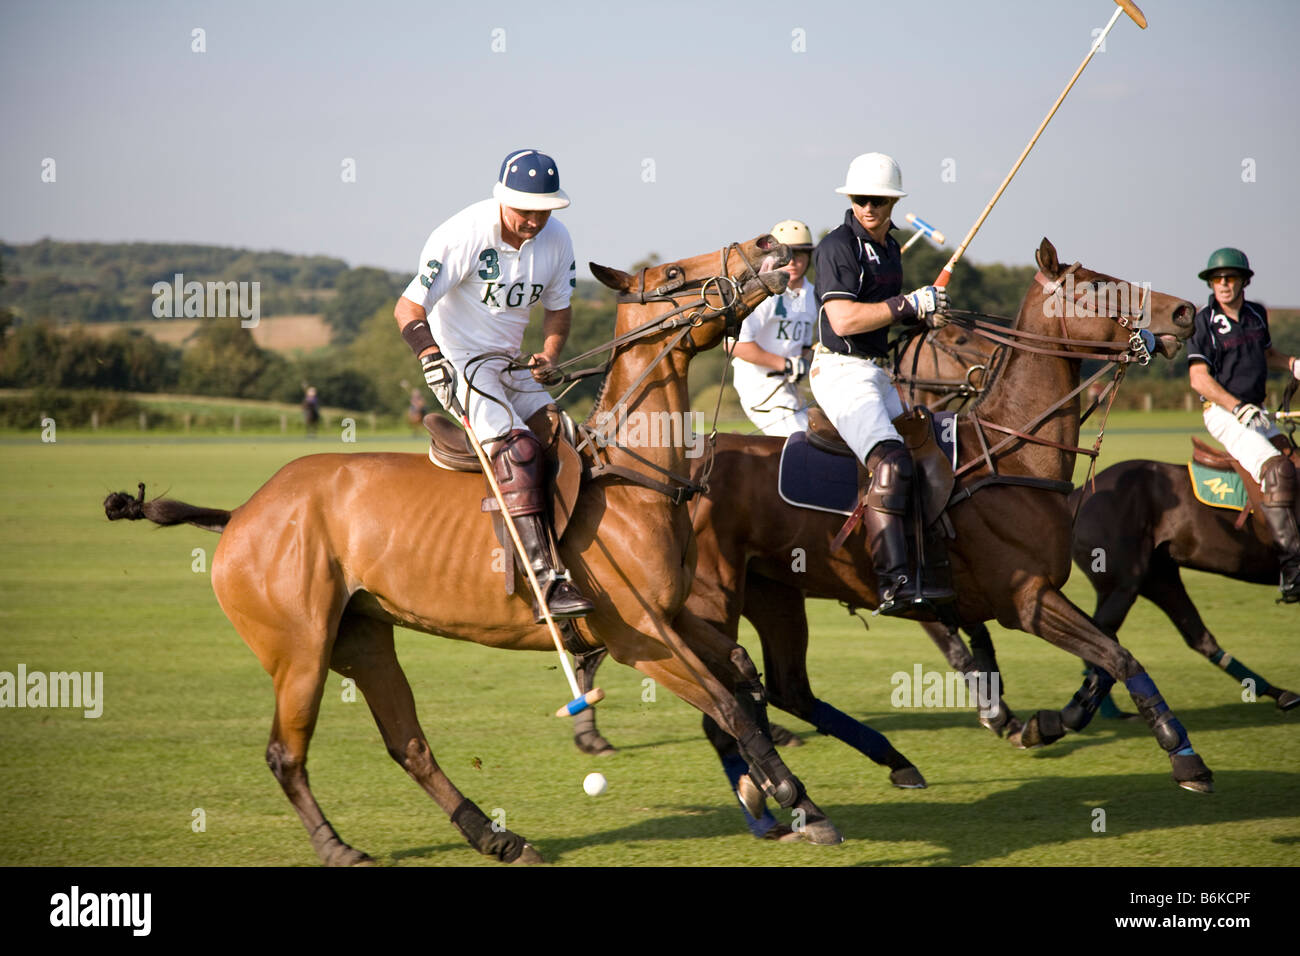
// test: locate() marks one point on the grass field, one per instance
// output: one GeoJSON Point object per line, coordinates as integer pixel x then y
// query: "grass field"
{"type": "Point", "coordinates": [187, 708]}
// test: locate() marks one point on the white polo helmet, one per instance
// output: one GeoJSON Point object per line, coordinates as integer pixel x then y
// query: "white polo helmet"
{"type": "Point", "coordinates": [793, 233]}
{"type": "Point", "coordinates": [873, 174]}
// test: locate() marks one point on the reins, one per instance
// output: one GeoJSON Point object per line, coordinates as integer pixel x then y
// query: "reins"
{"type": "Point", "coordinates": [729, 293]}
{"type": "Point", "coordinates": [1116, 354]}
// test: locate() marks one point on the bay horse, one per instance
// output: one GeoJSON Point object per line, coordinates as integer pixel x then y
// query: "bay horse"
{"type": "Point", "coordinates": [1012, 521]}
{"type": "Point", "coordinates": [319, 565]}
{"type": "Point", "coordinates": [1146, 518]}
{"type": "Point", "coordinates": [943, 369]}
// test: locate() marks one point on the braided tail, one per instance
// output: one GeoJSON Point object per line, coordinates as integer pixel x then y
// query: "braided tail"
{"type": "Point", "coordinates": [163, 511]}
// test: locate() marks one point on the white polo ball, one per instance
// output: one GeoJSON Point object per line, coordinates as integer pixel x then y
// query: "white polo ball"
{"type": "Point", "coordinates": [595, 784]}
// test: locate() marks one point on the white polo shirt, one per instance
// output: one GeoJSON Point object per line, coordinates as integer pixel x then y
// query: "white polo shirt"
{"type": "Point", "coordinates": [782, 324]}
{"type": "Point", "coordinates": [477, 289]}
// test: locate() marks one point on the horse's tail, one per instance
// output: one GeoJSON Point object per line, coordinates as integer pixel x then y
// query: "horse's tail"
{"type": "Point", "coordinates": [163, 511]}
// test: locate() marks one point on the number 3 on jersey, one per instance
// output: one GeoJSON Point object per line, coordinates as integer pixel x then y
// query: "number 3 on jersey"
{"type": "Point", "coordinates": [434, 267]}
{"type": "Point", "coordinates": [491, 269]}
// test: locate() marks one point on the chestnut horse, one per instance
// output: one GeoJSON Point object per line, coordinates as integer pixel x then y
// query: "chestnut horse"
{"type": "Point", "coordinates": [319, 565]}
{"type": "Point", "coordinates": [1011, 552]}
{"type": "Point", "coordinates": [1145, 516]}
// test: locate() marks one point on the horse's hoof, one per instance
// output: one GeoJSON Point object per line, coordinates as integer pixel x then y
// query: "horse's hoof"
{"type": "Point", "coordinates": [528, 857]}
{"type": "Point", "coordinates": [782, 834]}
{"type": "Point", "coordinates": [751, 797]}
{"type": "Point", "coordinates": [344, 855]}
{"type": "Point", "coordinates": [593, 744]}
{"type": "Point", "coordinates": [1043, 728]}
{"type": "Point", "coordinates": [1191, 773]}
{"type": "Point", "coordinates": [1287, 700]}
{"type": "Point", "coordinates": [784, 738]}
{"type": "Point", "coordinates": [907, 778]}
{"type": "Point", "coordinates": [821, 832]}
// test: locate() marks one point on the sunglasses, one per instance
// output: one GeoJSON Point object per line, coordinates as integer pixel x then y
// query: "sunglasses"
{"type": "Point", "coordinates": [871, 200]}
{"type": "Point", "coordinates": [1220, 276]}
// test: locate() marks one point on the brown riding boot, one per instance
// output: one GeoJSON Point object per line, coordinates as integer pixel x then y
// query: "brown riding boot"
{"type": "Point", "coordinates": [520, 468]}
{"type": "Point", "coordinates": [1278, 484]}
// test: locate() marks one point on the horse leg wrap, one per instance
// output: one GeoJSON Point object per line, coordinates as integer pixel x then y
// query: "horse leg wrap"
{"type": "Point", "coordinates": [860, 737]}
{"type": "Point", "coordinates": [1151, 705]}
{"type": "Point", "coordinates": [1240, 672]}
{"type": "Point", "coordinates": [751, 696]}
{"type": "Point", "coordinates": [1081, 708]}
{"type": "Point", "coordinates": [768, 771]}
{"type": "Point", "coordinates": [734, 766]}
{"type": "Point", "coordinates": [475, 827]}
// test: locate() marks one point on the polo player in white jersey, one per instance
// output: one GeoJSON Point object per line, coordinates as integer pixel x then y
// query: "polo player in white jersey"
{"type": "Point", "coordinates": [479, 274]}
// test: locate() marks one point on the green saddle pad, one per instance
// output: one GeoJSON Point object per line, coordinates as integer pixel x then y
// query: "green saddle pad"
{"type": "Point", "coordinates": [1218, 489]}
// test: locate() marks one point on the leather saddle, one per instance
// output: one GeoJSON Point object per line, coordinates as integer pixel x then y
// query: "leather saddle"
{"type": "Point", "coordinates": [450, 449]}
{"type": "Point", "coordinates": [918, 427]}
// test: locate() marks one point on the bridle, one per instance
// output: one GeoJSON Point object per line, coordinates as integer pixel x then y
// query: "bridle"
{"type": "Point", "coordinates": [1118, 355]}
{"type": "Point", "coordinates": [728, 293]}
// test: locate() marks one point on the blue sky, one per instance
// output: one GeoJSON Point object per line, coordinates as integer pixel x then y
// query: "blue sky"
{"type": "Point", "coordinates": [1139, 174]}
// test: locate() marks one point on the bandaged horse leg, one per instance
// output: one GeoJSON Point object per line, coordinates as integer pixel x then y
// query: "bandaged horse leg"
{"type": "Point", "coordinates": [586, 736]}
{"type": "Point", "coordinates": [520, 468]}
{"type": "Point", "coordinates": [734, 766]}
{"type": "Point", "coordinates": [1278, 484]}
{"type": "Point", "coordinates": [1189, 770]}
{"type": "Point", "coordinates": [1078, 713]}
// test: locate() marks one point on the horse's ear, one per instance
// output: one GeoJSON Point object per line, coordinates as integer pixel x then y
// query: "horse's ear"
{"type": "Point", "coordinates": [617, 280]}
{"type": "Point", "coordinates": [1047, 260]}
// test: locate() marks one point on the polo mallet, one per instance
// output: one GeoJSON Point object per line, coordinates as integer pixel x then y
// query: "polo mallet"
{"type": "Point", "coordinates": [922, 228]}
{"type": "Point", "coordinates": [1136, 15]}
{"type": "Point", "coordinates": [580, 700]}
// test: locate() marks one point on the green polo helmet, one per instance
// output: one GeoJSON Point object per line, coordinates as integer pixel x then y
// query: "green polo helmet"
{"type": "Point", "coordinates": [1226, 258]}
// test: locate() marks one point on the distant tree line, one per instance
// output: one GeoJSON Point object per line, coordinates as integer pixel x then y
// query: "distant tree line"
{"type": "Point", "coordinates": [89, 282]}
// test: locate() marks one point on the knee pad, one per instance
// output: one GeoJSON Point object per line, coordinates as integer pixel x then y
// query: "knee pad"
{"type": "Point", "coordinates": [520, 468]}
{"type": "Point", "coordinates": [1277, 476]}
{"type": "Point", "coordinates": [891, 469]}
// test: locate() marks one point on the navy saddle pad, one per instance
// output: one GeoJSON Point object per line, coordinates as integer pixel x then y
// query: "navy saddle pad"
{"type": "Point", "coordinates": [812, 478]}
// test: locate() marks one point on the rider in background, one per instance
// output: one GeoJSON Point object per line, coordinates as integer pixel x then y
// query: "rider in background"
{"type": "Point", "coordinates": [859, 275]}
{"type": "Point", "coordinates": [1229, 358]}
{"type": "Point", "coordinates": [776, 342]}
{"type": "Point", "coordinates": [479, 274]}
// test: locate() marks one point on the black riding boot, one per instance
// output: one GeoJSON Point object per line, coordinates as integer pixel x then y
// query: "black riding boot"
{"type": "Point", "coordinates": [884, 521]}
{"type": "Point", "coordinates": [1278, 481]}
{"type": "Point", "coordinates": [563, 600]}
{"type": "Point", "coordinates": [520, 468]}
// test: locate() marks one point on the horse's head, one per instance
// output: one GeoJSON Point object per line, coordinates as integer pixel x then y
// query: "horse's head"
{"type": "Point", "coordinates": [711, 292]}
{"type": "Point", "coordinates": [1080, 303]}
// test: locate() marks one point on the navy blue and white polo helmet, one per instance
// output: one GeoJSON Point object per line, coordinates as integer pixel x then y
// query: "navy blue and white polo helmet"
{"type": "Point", "coordinates": [529, 180]}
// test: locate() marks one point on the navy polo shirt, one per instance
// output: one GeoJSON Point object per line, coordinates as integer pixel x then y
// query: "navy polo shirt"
{"type": "Point", "coordinates": [1234, 351]}
{"type": "Point", "coordinates": [851, 265]}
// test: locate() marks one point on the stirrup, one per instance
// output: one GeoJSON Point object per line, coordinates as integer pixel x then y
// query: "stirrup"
{"type": "Point", "coordinates": [563, 599]}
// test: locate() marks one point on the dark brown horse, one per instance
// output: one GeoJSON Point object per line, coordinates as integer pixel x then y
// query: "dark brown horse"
{"type": "Point", "coordinates": [319, 565]}
{"type": "Point", "coordinates": [1011, 551]}
{"type": "Point", "coordinates": [945, 368]}
{"type": "Point", "coordinates": [1144, 523]}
